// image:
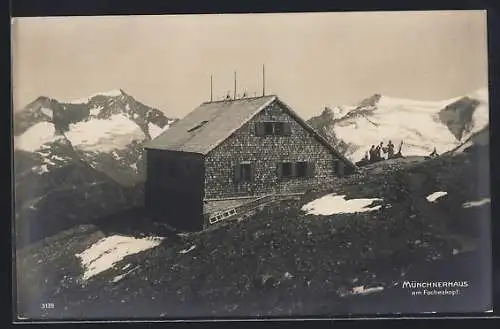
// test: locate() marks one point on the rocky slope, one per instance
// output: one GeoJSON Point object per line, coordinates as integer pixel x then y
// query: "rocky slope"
{"type": "Point", "coordinates": [79, 160]}
{"type": "Point", "coordinates": [333, 260]}
{"type": "Point", "coordinates": [324, 124]}
{"type": "Point", "coordinates": [421, 125]}
{"type": "Point", "coordinates": [477, 142]}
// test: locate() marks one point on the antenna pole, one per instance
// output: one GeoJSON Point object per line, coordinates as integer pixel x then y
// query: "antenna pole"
{"type": "Point", "coordinates": [263, 81]}
{"type": "Point", "coordinates": [234, 97]}
{"type": "Point", "coordinates": [211, 88]}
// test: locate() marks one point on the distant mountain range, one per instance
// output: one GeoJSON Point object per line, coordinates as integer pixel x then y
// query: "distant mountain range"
{"type": "Point", "coordinates": [80, 160]}
{"type": "Point", "coordinates": [421, 125]}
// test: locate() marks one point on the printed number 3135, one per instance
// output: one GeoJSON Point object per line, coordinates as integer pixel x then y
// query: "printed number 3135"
{"type": "Point", "coordinates": [46, 306]}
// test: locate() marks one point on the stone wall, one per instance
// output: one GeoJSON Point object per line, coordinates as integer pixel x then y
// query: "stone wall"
{"type": "Point", "coordinates": [264, 153]}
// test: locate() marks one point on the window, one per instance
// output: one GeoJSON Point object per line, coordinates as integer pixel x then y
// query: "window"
{"type": "Point", "coordinates": [301, 169]}
{"type": "Point", "coordinates": [243, 172]}
{"type": "Point", "coordinates": [272, 129]}
{"type": "Point", "coordinates": [295, 169]}
{"type": "Point", "coordinates": [246, 174]}
{"type": "Point", "coordinates": [287, 169]}
{"type": "Point", "coordinates": [278, 128]}
{"type": "Point", "coordinates": [268, 128]}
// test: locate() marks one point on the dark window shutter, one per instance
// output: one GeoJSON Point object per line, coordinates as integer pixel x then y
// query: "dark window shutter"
{"type": "Point", "coordinates": [237, 173]}
{"type": "Point", "coordinates": [340, 168]}
{"type": "Point", "coordinates": [310, 169]}
{"type": "Point", "coordinates": [259, 129]}
{"type": "Point", "coordinates": [268, 128]}
{"type": "Point", "coordinates": [252, 172]}
{"type": "Point", "coordinates": [279, 170]}
{"type": "Point", "coordinates": [287, 129]}
{"type": "Point", "coordinates": [294, 169]}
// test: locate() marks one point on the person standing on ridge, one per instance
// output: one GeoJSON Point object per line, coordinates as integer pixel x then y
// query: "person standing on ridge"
{"type": "Point", "coordinates": [390, 150]}
{"type": "Point", "coordinates": [434, 153]}
{"type": "Point", "coordinates": [372, 153]}
{"type": "Point", "coordinates": [378, 151]}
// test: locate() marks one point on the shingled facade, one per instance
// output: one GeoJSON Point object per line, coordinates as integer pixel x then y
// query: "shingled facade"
{"type": "Point", "coordinates": [235, 148]}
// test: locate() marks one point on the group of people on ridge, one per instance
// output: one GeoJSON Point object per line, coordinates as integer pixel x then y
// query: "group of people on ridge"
{"type": "Point", "coordinates": [377, 153]}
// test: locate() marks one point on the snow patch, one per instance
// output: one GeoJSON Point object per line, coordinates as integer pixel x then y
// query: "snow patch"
{"type": "Point", "coordinates": [185, 251]}
{"type": "Point", "coordinates": [134, 166]}
{"type": "Point", "coordinates": [337, 204]}
{"type": "Point", "coordinates": [111, 93]}
{"type": "Point", "coordinates": [56, 157]}
{"type": "Point", "coordinates": [154, 130]}
{"type": "Point", "coordinates": [105, 253]}
{"type": "Point", "coordinates": [40, 169]}
{"type": "Point", "coordinates": [45, 152]}
{"type": "Point", "coordinates": [479, 203]}
{"type": "Point", "coordinates": [36, 136]}
{"type": "Point", "coordinates": [104, 135]}
{"type": "Point", "coordinates": [436, 195]}
{"type": "Point", "coordinates": [48, 112]}
{"type": "Point", "coordinates": [95, 110]}
{"type": "Point", "coordinates": [361, 290]}
{"type": "Point", "coordinates": [49, 162]}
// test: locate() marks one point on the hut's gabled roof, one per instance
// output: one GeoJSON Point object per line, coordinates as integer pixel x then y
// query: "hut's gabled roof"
{"type": "Point", "coordinates": [211, 123]}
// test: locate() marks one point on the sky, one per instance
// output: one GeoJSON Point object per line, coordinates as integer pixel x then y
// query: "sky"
{"type": "Point", "coordinates": [312, 60]}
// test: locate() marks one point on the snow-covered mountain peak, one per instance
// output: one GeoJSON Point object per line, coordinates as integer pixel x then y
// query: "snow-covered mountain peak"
{"type": "Point", "coordinates": [101, 106]}
{"type": "Point", "coordinates": [109, 93]}
{"type": "Point", "coordinates": [421, 125]}
{"type": "Point", "coordinates": [105, 131]}
{"type": "Point", "coordinates": [370, 101]}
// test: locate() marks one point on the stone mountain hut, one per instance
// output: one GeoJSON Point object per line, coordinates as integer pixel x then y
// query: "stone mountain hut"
{"type": "Point", "coordinates": [232, 149]}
